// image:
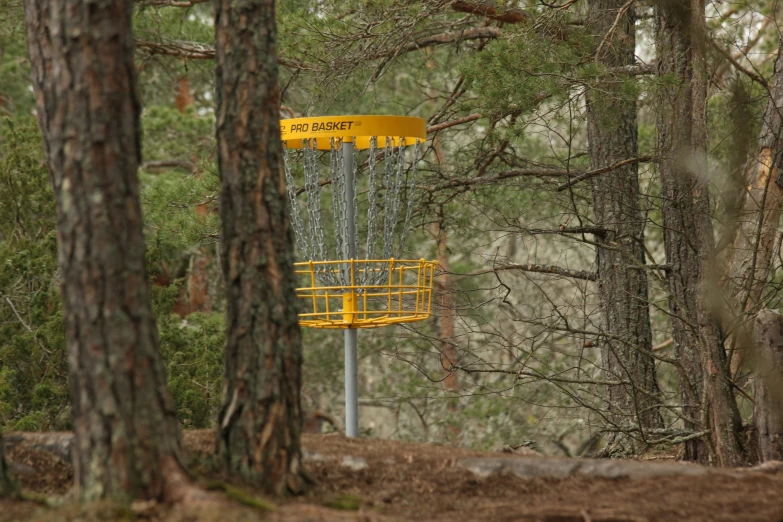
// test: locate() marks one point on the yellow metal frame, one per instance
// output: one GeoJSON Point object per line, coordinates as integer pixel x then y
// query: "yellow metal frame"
{"type": "Point", "coordinates": [405, 298]}
{"type": "Point", "coordinates": [349, 128]}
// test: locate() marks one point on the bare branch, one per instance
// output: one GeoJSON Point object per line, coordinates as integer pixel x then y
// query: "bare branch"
{"type": "Point", "coordinates": [178, 49]}
{"type": "Point", "coordinates": [539, 172]}
{"type": "Point", "coordinates": [478, 33]}
{"type": "Point", "coordinates": [638, 69]}
{"type": "Point", "coordinates": [750, 74]}
{"type": "Point", "coordinates": [539, 269]}
{"type": "Point", "coordinates": [488, 9]}
{"type": "Point", "coordinates": [159, 165]}
{"type": "Point", "coordinates": [612, 29]}
{"type": "Point", "coordinates": [603, 170]}
{"type": "Point", "coordinates": [452, 123]}
{"type": "Point", "coordinates": [172, 3]}
{"type": "Point", "coordinates": [196, 51]}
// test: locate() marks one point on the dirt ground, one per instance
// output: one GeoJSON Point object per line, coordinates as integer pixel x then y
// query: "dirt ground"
{"type": "Point", "coordinates": [372, 480]}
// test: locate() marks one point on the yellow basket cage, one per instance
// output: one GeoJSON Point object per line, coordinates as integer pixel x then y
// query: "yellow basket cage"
{"type": "Point", "coordinates": [405, 296]}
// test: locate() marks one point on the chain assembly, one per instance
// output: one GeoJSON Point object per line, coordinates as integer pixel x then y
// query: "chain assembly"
{"type": "Point", "coordinates": [381, 198]}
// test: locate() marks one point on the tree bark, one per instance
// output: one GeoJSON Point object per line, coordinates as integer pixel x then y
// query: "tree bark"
{"type": "Point", "coordinates": [613, 137]}
{"type": "Point", "coordinates": [769, 386]}
{"type": "Point", "coordinates": [708, 400]}
{"type": "Point", "coordinates": [260, 421]}
{"type": "Point", "coordinates": [127, 441]}
{"type": "Point", "coordinates": [446, 332]}
{"type": "Point", "coordinates": [8, 487]}
{"type": "Point", "coordinates": [756, 238]}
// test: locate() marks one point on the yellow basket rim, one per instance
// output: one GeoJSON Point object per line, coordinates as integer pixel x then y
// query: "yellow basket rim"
{"type": "Point", "coordinates": [362, 261]}
{"type": "Point", "coordinates": [357, 129]}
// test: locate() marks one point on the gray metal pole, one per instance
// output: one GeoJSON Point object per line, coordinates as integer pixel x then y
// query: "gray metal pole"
{"type": "Point", "coordinates": [351, 380]}
{"type": "Point", "coordinates": [351, 341]}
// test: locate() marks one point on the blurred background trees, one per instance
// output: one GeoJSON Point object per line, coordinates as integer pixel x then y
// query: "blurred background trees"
{"type": "Point", "coordinates": [585, 188]}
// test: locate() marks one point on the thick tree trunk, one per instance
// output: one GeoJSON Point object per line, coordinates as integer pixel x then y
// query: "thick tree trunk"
{"type": "Point", "coordinates": [260, 422]}
{"type": "Point", "coordinates": [769, 384]}
{"type": "Point", "coordinates": [7, 483]}
{"type": "Point", "coordinates": [708, 401]}
{"type": "Point", "coordinates": [755, 241]}
{"type": "Point", "coordinates": [127, 441]}
{"type": "Point", "coordinates": [613, 137]}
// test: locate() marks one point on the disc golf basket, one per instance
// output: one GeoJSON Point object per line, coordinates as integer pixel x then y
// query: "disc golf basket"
{"type": "Point", "coordinates": [357, 174]}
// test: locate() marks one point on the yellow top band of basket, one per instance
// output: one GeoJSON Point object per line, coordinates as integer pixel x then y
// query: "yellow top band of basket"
{"type": "Point", "coordinates": [346, 128]}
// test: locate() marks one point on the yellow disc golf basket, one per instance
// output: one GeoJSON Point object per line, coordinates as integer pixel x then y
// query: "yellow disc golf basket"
{"type": "Point", "coordinates": [337, 169]}
{"type": "Point", "coordinates": [404, 296]}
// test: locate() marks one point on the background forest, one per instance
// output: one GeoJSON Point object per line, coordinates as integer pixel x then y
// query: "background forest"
{"type": "Point", "coordinates": [565, 310]}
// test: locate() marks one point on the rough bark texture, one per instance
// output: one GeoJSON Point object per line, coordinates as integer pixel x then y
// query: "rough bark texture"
{"type": "Point", "coordinates": [124, 419]}
{"type": "Point", "coordinates": [708, 400]}
{"type": "Point", "coordinates": [613, 137]}
{"type": "Point", "coordinates": [769, 385]}
{"type": "Point", "coordinates": [448, 350]}
{"type": "Point", "coordinates": [756, 237]}
{"type": "Point", "coordinates": [260, 421]}
{"type": "Point", "coordinates": [7, 483]}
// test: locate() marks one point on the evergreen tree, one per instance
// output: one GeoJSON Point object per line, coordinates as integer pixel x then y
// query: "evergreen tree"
{"type": "Point", "coordinates": [127, 443]}
{"type": "Point", "coordinates": [260, 423]}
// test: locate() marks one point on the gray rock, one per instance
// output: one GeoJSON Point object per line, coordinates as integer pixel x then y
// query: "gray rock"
{"type": "Point", "coordinates": [560, 468]}
{"type": "Point", "coordinates": [354, 463]}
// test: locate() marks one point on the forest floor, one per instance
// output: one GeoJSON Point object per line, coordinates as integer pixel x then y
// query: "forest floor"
{"type": "Point", "coordinates": [369, 480]}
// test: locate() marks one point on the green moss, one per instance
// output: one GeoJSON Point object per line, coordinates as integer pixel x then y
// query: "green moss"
{"type": "Point", "coordinates": [240, 495]}
{"type": "Point", "coordinates": [346, 501]}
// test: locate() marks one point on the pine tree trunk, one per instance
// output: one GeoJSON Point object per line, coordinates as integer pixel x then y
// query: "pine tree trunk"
{"type": "Point", "coordinates": [756, 237]}
{"type": "Point", "coordinates": [613, 137]}
{"type": "Point", "coordinates": [8, 486]}
{"type": "Point", "coordinates": [708, 400]}
{"type": "Point", "coordinates": [260, 421]}
{"type": "Point", "coordinates": [125, 425]}
{"type": "Point", "coordinates": [446, 331]}
{"type": "Point", "coordinates": [769, 385]}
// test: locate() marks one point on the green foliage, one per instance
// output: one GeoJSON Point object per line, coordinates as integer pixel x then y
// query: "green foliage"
{"type": "Point", "coordinates": [16, 97]}
{"type": "Point", "coordinates": [193, 351]}
{"type": "Point", "coordinates": [171, 134]}
{"type": "Point", "coordinates": [34, 392]}
{"type": "Point", "coordinates": [172, 224]}
{"type": "Point", "coordinates": [33, 385]}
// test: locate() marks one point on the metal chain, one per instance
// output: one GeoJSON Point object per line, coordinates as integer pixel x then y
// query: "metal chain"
{"type": "Point", "coordinates": [388, 226]}
{"type": "Point", "coordinates": [308, 171]}
{"type": "Point", "coordinates": [336, 206]}
{"type": "Point", "coordinates": [355, 200]}
{"type": "Point", "coordinates": [411, 193]}
{"type": "Point", "coordinates": [296, 218]}
{"type": "Point", "coordinates": [310, 235]}
{"type": "Point", "coordinates": [371, 210]}
{"type": "Point", "coordinates": [314, 209]}
{"type": "Point", "coordinates": [343, 218]}
{"type": "Point", "coordinates": [395, 210]}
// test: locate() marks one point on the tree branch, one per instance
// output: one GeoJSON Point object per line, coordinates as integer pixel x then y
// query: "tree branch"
{"type": "Point", "coordinates": [592, 173]}
{"type": "Point", "coordinates": [538, 269]}
{"type": "Point", "coordinates": [168, 164]}
{"type": "Point", "coordinates": [540, 172]}
{"type": "Point", "coordinates": [452, 123]}
{"type": "Point", "coordinates": [172, 3]}
{"type": "Point", "coordinates": [196, 51]}
{"type": "Point", "coordinates": [637, 69]}
{"type": "Point", "coordinates": [488, 9]}
{"type": "Point", "coordinates": [750, 74]}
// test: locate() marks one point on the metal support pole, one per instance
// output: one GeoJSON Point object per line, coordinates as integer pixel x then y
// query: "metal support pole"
{"type": "Point", "coordinates": [351, 380]}
{"type": "Point", "coordinates": [351, 341]}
